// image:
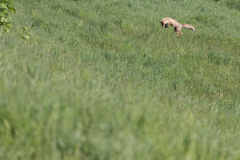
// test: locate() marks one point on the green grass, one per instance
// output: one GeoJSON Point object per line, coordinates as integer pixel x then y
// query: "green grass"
{"type": "Point", "coordinates": [102, 80]}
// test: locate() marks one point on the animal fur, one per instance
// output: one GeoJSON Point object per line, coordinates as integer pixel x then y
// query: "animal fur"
{"type": "Point", "coordinates": [177, 26]}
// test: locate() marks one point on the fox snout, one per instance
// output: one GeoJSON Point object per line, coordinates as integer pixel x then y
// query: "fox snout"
{"type": "Point", "coordinates": [162, 24]}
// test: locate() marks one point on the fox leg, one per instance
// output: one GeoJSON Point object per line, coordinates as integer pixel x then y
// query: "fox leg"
{"type": "Point", "coordinates": [178, 33]}
{"type": "Point", "coordinates": [177, 30]}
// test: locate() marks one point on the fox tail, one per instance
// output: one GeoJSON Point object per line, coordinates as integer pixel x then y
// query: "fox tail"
{"type": "Point", "coordinates": [188, 26]}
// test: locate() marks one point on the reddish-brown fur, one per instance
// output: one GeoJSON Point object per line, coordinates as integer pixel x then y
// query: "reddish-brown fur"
{"type": "Point", "coordinates": [177, 26]}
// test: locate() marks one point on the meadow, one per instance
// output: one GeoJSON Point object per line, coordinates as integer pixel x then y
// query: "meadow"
{"type": "Point", "coordinates": [100, 79]}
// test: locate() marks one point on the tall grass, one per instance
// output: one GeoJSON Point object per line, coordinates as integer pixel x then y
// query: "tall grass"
{"type": "Point", "coordinates": [102, 80]}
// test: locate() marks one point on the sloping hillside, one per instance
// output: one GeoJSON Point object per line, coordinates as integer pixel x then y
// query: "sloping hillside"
{"type": "Point", "coordinates": [102, 80]}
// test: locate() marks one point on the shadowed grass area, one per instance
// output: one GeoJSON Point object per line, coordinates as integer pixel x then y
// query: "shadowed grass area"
{"type": "Point", "coordinates": [102, 80]}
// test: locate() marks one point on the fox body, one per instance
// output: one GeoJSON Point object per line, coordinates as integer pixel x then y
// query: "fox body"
{"type": "Point", "coordinates": [177, 26]}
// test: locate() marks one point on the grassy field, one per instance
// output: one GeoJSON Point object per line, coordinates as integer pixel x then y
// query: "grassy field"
{"type": "Point", "coordinates": [100, 79]}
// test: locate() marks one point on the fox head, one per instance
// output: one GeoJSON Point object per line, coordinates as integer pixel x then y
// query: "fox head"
{"type": "Point", "coordinates": [164, 24]}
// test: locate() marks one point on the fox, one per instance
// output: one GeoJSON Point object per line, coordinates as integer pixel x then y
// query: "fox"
{"type": "Point", "coordinates": [177, 26]}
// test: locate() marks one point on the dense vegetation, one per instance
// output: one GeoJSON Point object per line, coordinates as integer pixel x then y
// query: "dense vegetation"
{"type": "Point", "coordinates": [102, 80]}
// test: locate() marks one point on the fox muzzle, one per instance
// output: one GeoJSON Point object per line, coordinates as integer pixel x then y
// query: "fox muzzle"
{"type": "Point", "coordinates": [162, 24]}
